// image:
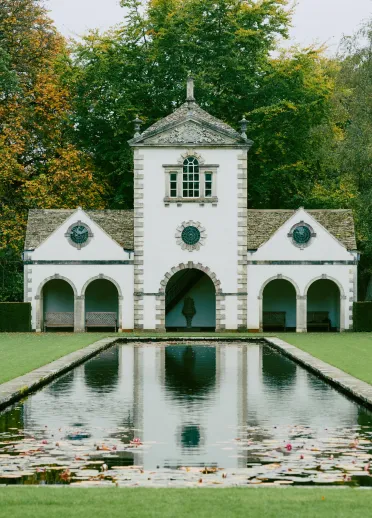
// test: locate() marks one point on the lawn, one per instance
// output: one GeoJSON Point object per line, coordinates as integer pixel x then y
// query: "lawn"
{"type": "Point", "coordinates": [184, 503]}
{"type": "Point", "coordinates": [350, 352]}
{"type": "Point", "coordinates": [23, 352]}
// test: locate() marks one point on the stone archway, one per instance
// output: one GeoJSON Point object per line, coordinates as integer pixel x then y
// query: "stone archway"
{"type": "Point", "coordinates": [325, 304]}
{"type": "Point", "coordinates": [105, 304]}
{"type": "Point", "coordinates": [39, 297]}
{"type": "Point", "coordinates": [296, 307]}
{"type": "Point", "coordinates": [160, 298]}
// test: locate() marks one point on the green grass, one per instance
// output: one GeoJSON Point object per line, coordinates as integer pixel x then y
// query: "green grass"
{"type": "Point", "coordinates": [350, 352]}
{"type": "Point", "coordinates": [184, 503]}
{"type": "Point", "coordinates": [23, 352]}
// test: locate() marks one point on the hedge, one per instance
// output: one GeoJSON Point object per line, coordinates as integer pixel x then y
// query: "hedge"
{"type": "Point", "coordinates": [362, 316]}
{"type": "Point", "coordinates": [15, 317]}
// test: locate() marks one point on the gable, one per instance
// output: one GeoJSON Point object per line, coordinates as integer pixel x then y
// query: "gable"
{"type": "Point", "coordinates": [190, 124]}
{"type": "Point", "coordinates": [190, 132]}
{"type": "Point", "coordinates": [47, 234]}
{"type": "Point", "coordinates": [262, 225]}
{"type": "Point", "coordinates": [278, 244]}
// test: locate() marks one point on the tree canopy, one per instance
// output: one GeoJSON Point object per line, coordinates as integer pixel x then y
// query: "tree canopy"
{"type": "Point", "coordinates": [67, 109]}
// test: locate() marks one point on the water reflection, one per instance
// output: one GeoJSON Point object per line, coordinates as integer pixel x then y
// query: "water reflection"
{"type": "Point", "coordinates": [102, 377]}
{"type": "Point", "coordinates": [190, 372]}
{"type": "Point", "coordinates": [189, 405]}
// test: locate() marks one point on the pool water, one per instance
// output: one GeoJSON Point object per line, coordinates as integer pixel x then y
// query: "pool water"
{"type": "Point", "coordinates": [184, 415]}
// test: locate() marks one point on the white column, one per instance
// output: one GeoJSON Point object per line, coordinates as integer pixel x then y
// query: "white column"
{"type": "Point", "coordinates": [120, 315]}
{"type": "Point", "coordinates": [344, 313]}
{"type": "Point", "coordinates": [79, 314]}
{"type": "Point", "coordinates": [39, 313]}
{"type": "Point", "coordinates": [301, 314]}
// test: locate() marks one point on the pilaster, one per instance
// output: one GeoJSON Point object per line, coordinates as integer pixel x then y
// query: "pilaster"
{"type": "Point", "coordinates": [138, 239]}
{"type": "Point", "coordinates": [242, 239]}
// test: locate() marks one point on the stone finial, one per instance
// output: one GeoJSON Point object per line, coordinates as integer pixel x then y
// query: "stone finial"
{"type": "Point", "coordinates": [244, 124]}
{"type": "Point", "coordinates": [190, 88]}
{"type": "Point", "coordinates": [137, 126]}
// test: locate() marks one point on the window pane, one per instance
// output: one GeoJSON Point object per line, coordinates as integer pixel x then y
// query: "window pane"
{"type": "Point", "coordinates": [190, 177]}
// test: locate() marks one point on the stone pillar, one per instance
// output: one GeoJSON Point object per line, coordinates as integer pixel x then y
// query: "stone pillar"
{"type": "Point", "coordinates": [120, 315]}
{"type": "Point", "coordinates": [39, 313]}
{"type": "Point", "coordinates": [79, 314]}
{"type": "Point", "coordinates": [301, 314]}
{"type": "Point", "coordinates": [343, 312]}
{"type": "Point", "coordinates": [260, 313]}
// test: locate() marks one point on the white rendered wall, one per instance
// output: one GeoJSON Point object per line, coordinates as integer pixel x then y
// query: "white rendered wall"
{"type": "Point", "coordinates": [302, 268]}
{"type": "Point", "coordinates": [324, 247]}
{"type": "Point", "coordinates": [101, 248]}
{"type": "Point", "coordinates": [79, 275]}
{"type": "Point", "coordinates": [161, 251]}
{"type": "Point", "coordinates": [58, 296]}
{"type": "Point", "coordinates": [301, 275]}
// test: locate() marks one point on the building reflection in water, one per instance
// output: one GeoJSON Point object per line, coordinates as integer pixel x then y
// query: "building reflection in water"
{"type": "Point", "coordinates": [186, 403]}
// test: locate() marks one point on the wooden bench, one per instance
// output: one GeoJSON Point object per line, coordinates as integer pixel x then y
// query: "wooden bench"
{"type": "Point", "coordinates": [101, 319]}
{"type": "Point", "coordinates": [318, 319]}
{"type": "Point", "coordinates": [58, 319]}
{"type": "Point", "coordinates": [274, 319]}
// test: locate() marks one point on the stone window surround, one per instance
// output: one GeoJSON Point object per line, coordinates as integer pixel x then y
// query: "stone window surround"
{"type": "Point", "coordinates": [302, 246]}
{"type": "Point", "coordinates": [79, 246]}
{"type": "Point", "coordinates": [178, 169]}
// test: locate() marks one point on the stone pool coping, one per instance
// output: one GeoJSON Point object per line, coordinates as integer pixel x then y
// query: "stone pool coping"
{"type": "Point", "coordinates": [346, 383]}
{"type": "Point", "coordinates": [20, 387]}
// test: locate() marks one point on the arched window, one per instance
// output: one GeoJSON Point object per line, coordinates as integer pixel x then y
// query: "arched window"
{"type": "Point", "coordinates": [191, 178]}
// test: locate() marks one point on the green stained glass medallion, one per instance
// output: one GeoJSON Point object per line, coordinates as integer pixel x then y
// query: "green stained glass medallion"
{"type": "Point", "coordinates": [301, 235]}
{"type": "Point", "coordinates": [190, 235]}
{"type": "Point", "coordinates": [79, 234]}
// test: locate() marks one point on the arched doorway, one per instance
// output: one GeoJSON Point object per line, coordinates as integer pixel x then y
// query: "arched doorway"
{"type": "Point", "coordinates": [101, 305]}
{"type": "Point", "coordinates": [190, 301]}
{"type": "Point", "coordinates": [58, 305]}
{"type": "Point", "coordinates": [279, 306]}
{"type": "Point", "coordinates": [323, 306]}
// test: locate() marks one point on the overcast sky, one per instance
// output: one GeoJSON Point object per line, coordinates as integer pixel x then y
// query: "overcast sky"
{"type": "Point", "coordinates": [321, 21]}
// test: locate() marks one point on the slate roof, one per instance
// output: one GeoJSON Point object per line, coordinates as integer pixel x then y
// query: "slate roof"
{"type": "Point", "coordinates": [262, 224]}
{"type": "Point", "coordinates": [185, 112]}
{"type": "Point", "coordinates": [118, 224]}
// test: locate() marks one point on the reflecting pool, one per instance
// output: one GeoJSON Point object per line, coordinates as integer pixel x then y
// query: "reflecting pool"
{"type": "Point", "coordinates": [168, 414]}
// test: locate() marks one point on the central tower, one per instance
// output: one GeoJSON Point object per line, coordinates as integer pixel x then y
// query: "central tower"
{"type": "Point", "coordinates": [190, 221]}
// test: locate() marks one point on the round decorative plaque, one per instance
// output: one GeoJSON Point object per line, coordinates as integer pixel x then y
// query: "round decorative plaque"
{"type": "Point", "coordinates": [79, 234]}
{"type": "Point", "coordinates": [191, 235]}
{"type": "Point", "coordinates": [302, 235]}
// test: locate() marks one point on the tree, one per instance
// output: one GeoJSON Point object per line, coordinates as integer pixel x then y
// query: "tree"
{"type": "Point", "coordinates": [142, 68]}
{"type": "Point", "coordinates": [35, 122]}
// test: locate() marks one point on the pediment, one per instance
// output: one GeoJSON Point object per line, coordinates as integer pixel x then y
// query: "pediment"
{"type": "Point", "coordinates": [189, 132]}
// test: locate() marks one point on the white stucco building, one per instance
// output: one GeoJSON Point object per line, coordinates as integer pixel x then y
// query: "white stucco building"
{"type": "Point", "coordinates": [191, 254]}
